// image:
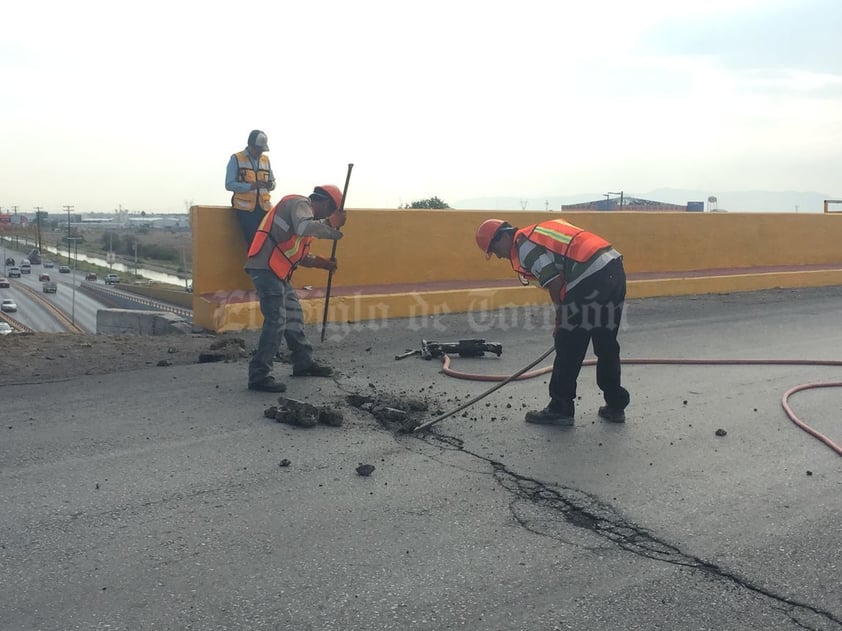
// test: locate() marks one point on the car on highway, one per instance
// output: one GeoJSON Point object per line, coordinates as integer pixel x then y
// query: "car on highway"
{"type": "Point", "coordinates": [5, 328]}
{"type": "Point", "coordinates": [112, 279]}
{"type": "Point", "coordinates": [10, 260]}
{"type": "Point", "coordinates": [14, 272]}
{"type": "Point", "coordinates": [34, 256]}
{"type": "Point", "coordinates": [8, 305]}
{"type": "Point", "coordinates": [43, 277]}
{"type": "Point", "coordinates": [25, 267]}
{"type": "Point", "coordinates": [49, 264]}
{"type": "Point", "coordinates": [4, 283]}
{"type": "Point", "coordinates": [63, 269]}
{"type": "Point", "coordinates": [50, 287]}
{"type": "Point", "coordinates": [90, 276]}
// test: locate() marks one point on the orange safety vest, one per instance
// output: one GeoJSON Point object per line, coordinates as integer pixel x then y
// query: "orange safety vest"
{"type": "Point", "coordinates": [560, 237]}
{"type": "Point", "coordinates": [247, 201]}
{"type": "Point", "coordinates": [285, 255]}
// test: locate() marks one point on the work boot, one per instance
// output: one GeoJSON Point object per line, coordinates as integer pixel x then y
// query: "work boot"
{"type": "Point", "coordinates": [549, 416]}
{"type": "Point", "coordinates": [612, 415]}
{"type": "Point", "coordinates": [268, 384]}
{"type": "Point", "coordinates": [313, 370]}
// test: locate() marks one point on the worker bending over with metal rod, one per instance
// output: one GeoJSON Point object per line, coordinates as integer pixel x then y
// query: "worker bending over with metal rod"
{"type": "Point", "coordinates": [586, 281]}
{"type": "Point", "coordinates": [281, 244]}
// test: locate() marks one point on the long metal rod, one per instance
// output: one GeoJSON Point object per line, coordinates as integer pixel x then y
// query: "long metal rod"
{"type": "Point", "coordinates": [333, 253]}
{"type": "Point", "coordinates": [487, 392]}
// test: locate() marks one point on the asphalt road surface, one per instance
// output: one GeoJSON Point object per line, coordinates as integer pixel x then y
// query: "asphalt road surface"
{"type": "Point", "coordinates": [157, 499]}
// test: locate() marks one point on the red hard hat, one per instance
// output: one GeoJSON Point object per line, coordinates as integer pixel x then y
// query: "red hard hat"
{"type": "Point", "coordinates": [331, 191]}
{"type": "Point", "coordinates": [486, 232]}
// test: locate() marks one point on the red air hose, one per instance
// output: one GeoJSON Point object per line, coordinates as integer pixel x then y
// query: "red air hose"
{"type": "Point", "coordinates": [450, 372]}
{"type": "Point", "coordinates": [802, 424]}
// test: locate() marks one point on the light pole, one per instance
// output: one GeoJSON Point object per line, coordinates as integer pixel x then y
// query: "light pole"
{"type": "Point", "coordinates": [38, 228]}
{"type": "Point", "coordinates": [68, 209]}
{"type": "Point", "coordinates": [75, 241]}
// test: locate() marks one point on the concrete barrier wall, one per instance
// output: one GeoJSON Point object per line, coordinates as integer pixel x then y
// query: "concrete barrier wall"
{"type": "Point", "coordinates": [405, 246]}
{"type": "Point", "coordinates": [132, 322]}
{"type": "Point", "coordinates": [414, 246]}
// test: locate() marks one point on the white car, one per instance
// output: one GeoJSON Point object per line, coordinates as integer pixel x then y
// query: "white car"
{"type": "Point", "coordinates": [5, 328]}
{"type": "Point", "coordinates": [8, 305]}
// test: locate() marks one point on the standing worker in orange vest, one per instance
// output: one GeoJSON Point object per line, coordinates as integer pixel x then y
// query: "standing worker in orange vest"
{"type": "Point", "coordinates": [281, 244]}
{"type": "Point", "coordinates": [586, 281]}
{"type": "Point", "coordinates": [249, 177]}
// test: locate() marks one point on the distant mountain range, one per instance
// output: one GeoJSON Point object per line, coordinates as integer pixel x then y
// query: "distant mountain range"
{"type": "Point", "coordinates": [734, 201]}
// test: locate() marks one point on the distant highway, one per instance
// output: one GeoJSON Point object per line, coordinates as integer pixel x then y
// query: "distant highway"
{"type": "Point", "coordinates": [73, 308]}
{"type": "Point", "coordinates": [34, 306]}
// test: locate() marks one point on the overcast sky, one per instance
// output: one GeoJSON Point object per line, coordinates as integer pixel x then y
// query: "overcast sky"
{"type": "Point", "coordinates": [140, 105]}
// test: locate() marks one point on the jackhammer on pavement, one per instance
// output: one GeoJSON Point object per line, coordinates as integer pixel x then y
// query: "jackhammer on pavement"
{"type": "Point", "coordinates": [463, 348]}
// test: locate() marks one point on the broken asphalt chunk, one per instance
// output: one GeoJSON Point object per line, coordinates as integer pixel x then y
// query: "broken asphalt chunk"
{"type": "Point", "coordinates": [302, 414]}
{"type": "Point", "coordinates": [365, 469]}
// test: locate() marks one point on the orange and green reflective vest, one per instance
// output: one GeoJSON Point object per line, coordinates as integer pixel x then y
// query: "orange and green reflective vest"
{"type": "Point", "coordinates": [248, 200]}
{"type": "Point", "coordinates": [562, 238]}
{"type": "Point", "coordinates": [286, 254]}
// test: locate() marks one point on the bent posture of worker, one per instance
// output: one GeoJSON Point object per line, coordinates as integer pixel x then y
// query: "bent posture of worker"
{"type": "Point", "coordinates": [586, 281]}
{"type": "Point", "coordinates": [281, 244]}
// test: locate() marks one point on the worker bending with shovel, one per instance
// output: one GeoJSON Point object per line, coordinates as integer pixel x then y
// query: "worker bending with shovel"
{"type": "Point", "coordinates": [586, 281]}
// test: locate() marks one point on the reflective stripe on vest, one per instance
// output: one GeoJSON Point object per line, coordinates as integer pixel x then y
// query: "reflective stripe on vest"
{"type": "Point", "coordinates": [286, 255]}
{"type": "Point", "coordinates": [560, 237]}
{"type": "Point", "coordinates": [248, 200]}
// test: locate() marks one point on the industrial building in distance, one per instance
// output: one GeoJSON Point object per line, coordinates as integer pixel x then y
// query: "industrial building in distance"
{"type": "Point", "coordinates": [623, 203]}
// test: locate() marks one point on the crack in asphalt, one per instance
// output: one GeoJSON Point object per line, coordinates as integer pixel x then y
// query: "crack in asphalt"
{"type": "Point", "coordinates": [586, 511]}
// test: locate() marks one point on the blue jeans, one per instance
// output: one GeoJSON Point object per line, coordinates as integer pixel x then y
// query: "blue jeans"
{"type": "Point", "coordinates": [282, 318]}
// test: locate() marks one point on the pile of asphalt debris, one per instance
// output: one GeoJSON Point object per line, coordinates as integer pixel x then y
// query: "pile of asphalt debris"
{"type": "Point", "coordinates": [302, 414]}
{"type": "Point", "coordinates": [397, 414]}
{"type": "Point", "coordinates": [224, 350]}
{"type": "Point", "coordinates": [394, 413]}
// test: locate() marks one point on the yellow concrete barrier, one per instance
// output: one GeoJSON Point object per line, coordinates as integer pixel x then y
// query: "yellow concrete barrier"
{"type": "Point", "coordinates": [399, 251]}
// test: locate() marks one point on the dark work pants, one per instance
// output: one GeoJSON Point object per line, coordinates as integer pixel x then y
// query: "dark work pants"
{"type": "Point", "coordinates": [590, 312]}
{"type": "Point", "coordinates": [249, 222]}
